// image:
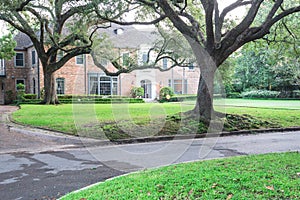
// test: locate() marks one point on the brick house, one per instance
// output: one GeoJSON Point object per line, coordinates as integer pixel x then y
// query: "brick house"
{"type": "Point", "coordinates": [81, 76]}
{"type": "Point", "coordinates": [23, 68]}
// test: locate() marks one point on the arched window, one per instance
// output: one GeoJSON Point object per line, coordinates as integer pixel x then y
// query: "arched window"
{"type": "Point", "coordinates": [33, 86]}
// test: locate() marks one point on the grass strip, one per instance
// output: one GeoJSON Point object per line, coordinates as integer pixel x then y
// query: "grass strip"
{"type": "Point", "coordinates": [269, 176]}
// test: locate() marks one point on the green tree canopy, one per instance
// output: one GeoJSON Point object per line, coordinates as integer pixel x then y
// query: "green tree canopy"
{"type": "Point", "coordinates": [7, 46]}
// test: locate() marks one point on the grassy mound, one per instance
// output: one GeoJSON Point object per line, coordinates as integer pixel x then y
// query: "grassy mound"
{"type": "Point", "coordinates": [177, 125]}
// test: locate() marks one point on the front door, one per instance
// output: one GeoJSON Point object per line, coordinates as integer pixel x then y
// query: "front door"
{"type": "Point", "coordinates": [146, 84]}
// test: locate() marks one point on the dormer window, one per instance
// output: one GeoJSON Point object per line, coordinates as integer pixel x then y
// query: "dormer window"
{"type": "Point", "coordinates": [145, 58]}
{"type": "Point", "coordinates": [80, 59]}
{"type": "Point", "coordinates": [119, 31]}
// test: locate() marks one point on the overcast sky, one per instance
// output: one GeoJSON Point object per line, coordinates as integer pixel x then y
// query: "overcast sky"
{"type": "Point", "coordinates": [222, 4]}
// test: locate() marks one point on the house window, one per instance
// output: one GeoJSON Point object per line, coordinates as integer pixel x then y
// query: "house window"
{"type": "Point", "coordinates": [33, 58]}
{"type": "Point", "coordinates": [103, 85]}
{"type": "Point", "coordinates": [60, 55]}
{"type": "Point", "coordinates": [60, 86]}
{"type": "Point", "coordinates": [145, 58]}
{"type": "Point", "coordinates": [191, 66]}
{"type": "Point", "coordinates": [165, 63]}
{"type": "Point", "coordinates": [33, 86]}
{"type": "Point", "coordinates": [79, 59]}
{"type": "Point", "coordinates": [19, 60]}
{"type": "Point", "coordinates": [114, 86]}
{"type": "Point", "coordinates": [19, 81]}
{"type": "Point", "coordinates": [179, 86]}
{"type": "Point", "coordinates": [125, 59]}
{"type": "Point", "coordinates": [2, 68]}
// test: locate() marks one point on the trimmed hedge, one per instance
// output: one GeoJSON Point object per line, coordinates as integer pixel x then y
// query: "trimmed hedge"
{"type": "Point", "coordinates": [61, 97]}
{"type": "Point", "coordinates": [68, 99]}
{"type": "Point", "coordinates": [265, 94]}
{"type": "Point", "coordinates": [101, 100]}
{"type": "Point", "coordinates": [296, 94]}
{"type": "Point", "coordinates": [233, 95]}
{"type": "Point", "coordinates": [29, 96]}
{"type": "Point", "coordinates": [182, 98]}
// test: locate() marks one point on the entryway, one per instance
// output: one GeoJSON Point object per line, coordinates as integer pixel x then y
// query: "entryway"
{"type": "Point", "coordinates": [146, 84]}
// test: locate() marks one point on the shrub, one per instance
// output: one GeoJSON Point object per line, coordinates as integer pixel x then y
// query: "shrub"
{"type": "Point", "coordinates": [296, 94]}
{"type": "Point", "coordinates": [233, 95]}
{"type": "Point", "coordinates": [30, 96]}
{"type": "Point", "coordinates": [260, 94]}
{"type": "Point", "coordinates": [166, 93]}
{"type": "Point", "coordinates": [137, 92]}
{"type": "Point", "coordinates": [20, 92]}
{"type": "Point", "coordinates": [9, 96]}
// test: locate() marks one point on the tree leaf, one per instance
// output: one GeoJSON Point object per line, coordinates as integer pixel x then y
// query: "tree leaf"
{"type": "Point", "coordinates": [229, 196]}
{"type": "Point", "coordinates": [270, 187]}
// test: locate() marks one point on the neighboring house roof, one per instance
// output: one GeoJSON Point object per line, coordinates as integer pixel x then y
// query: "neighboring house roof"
{"type": "Point", "coordinates": [23, 41]}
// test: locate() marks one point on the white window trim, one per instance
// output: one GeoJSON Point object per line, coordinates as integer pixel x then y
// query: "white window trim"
{"type": "Point", "coordinates": [15, 59]}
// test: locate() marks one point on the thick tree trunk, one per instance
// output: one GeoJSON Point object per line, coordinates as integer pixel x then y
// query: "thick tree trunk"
{"type": "Point", "coordinates": [204, 102]}
{"type": "Point", "coordinates": [49, 86]}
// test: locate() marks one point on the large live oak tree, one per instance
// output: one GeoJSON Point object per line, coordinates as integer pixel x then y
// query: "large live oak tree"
{"type": "Point", "coordinates": [57, 25]}
{"type": "Point", "coordinates": [210, 37]}
{"type": "Point", "coordinates": [212, 43]}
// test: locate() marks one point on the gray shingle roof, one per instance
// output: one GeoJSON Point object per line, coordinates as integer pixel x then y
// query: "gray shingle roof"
{"type": "Point", "coordinates": [131, 37]}
{"type": "Point", "coordinates": [23, 41]}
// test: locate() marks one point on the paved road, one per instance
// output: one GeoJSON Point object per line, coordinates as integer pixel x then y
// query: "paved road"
{"type": "Point", "coordinates": [34, 165]}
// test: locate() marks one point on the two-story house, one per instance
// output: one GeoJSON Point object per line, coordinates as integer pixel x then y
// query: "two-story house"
{"type": "Point", "coordinates": [23, 68]}
{"type": "Point", "coordinates": [82, 77]}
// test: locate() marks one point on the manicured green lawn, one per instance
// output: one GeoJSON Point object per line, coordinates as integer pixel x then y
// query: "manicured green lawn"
{"type": "Point", "coordinates": [260, 103]}
{"type": "Point", "coordinates": [64, 117]}
{"type": "Point", "coordinates": [270, 176]}
{"type": "Point", "coordinates": [90, 118]}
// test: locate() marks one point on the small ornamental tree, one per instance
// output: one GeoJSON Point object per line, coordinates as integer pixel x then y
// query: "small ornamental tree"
{"type": "Point", "coordinates": [20, 92]}
{"type": "Point", "coordinates": [137, 92]}
{"type": "Point", "coordinates": [166, 93]}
